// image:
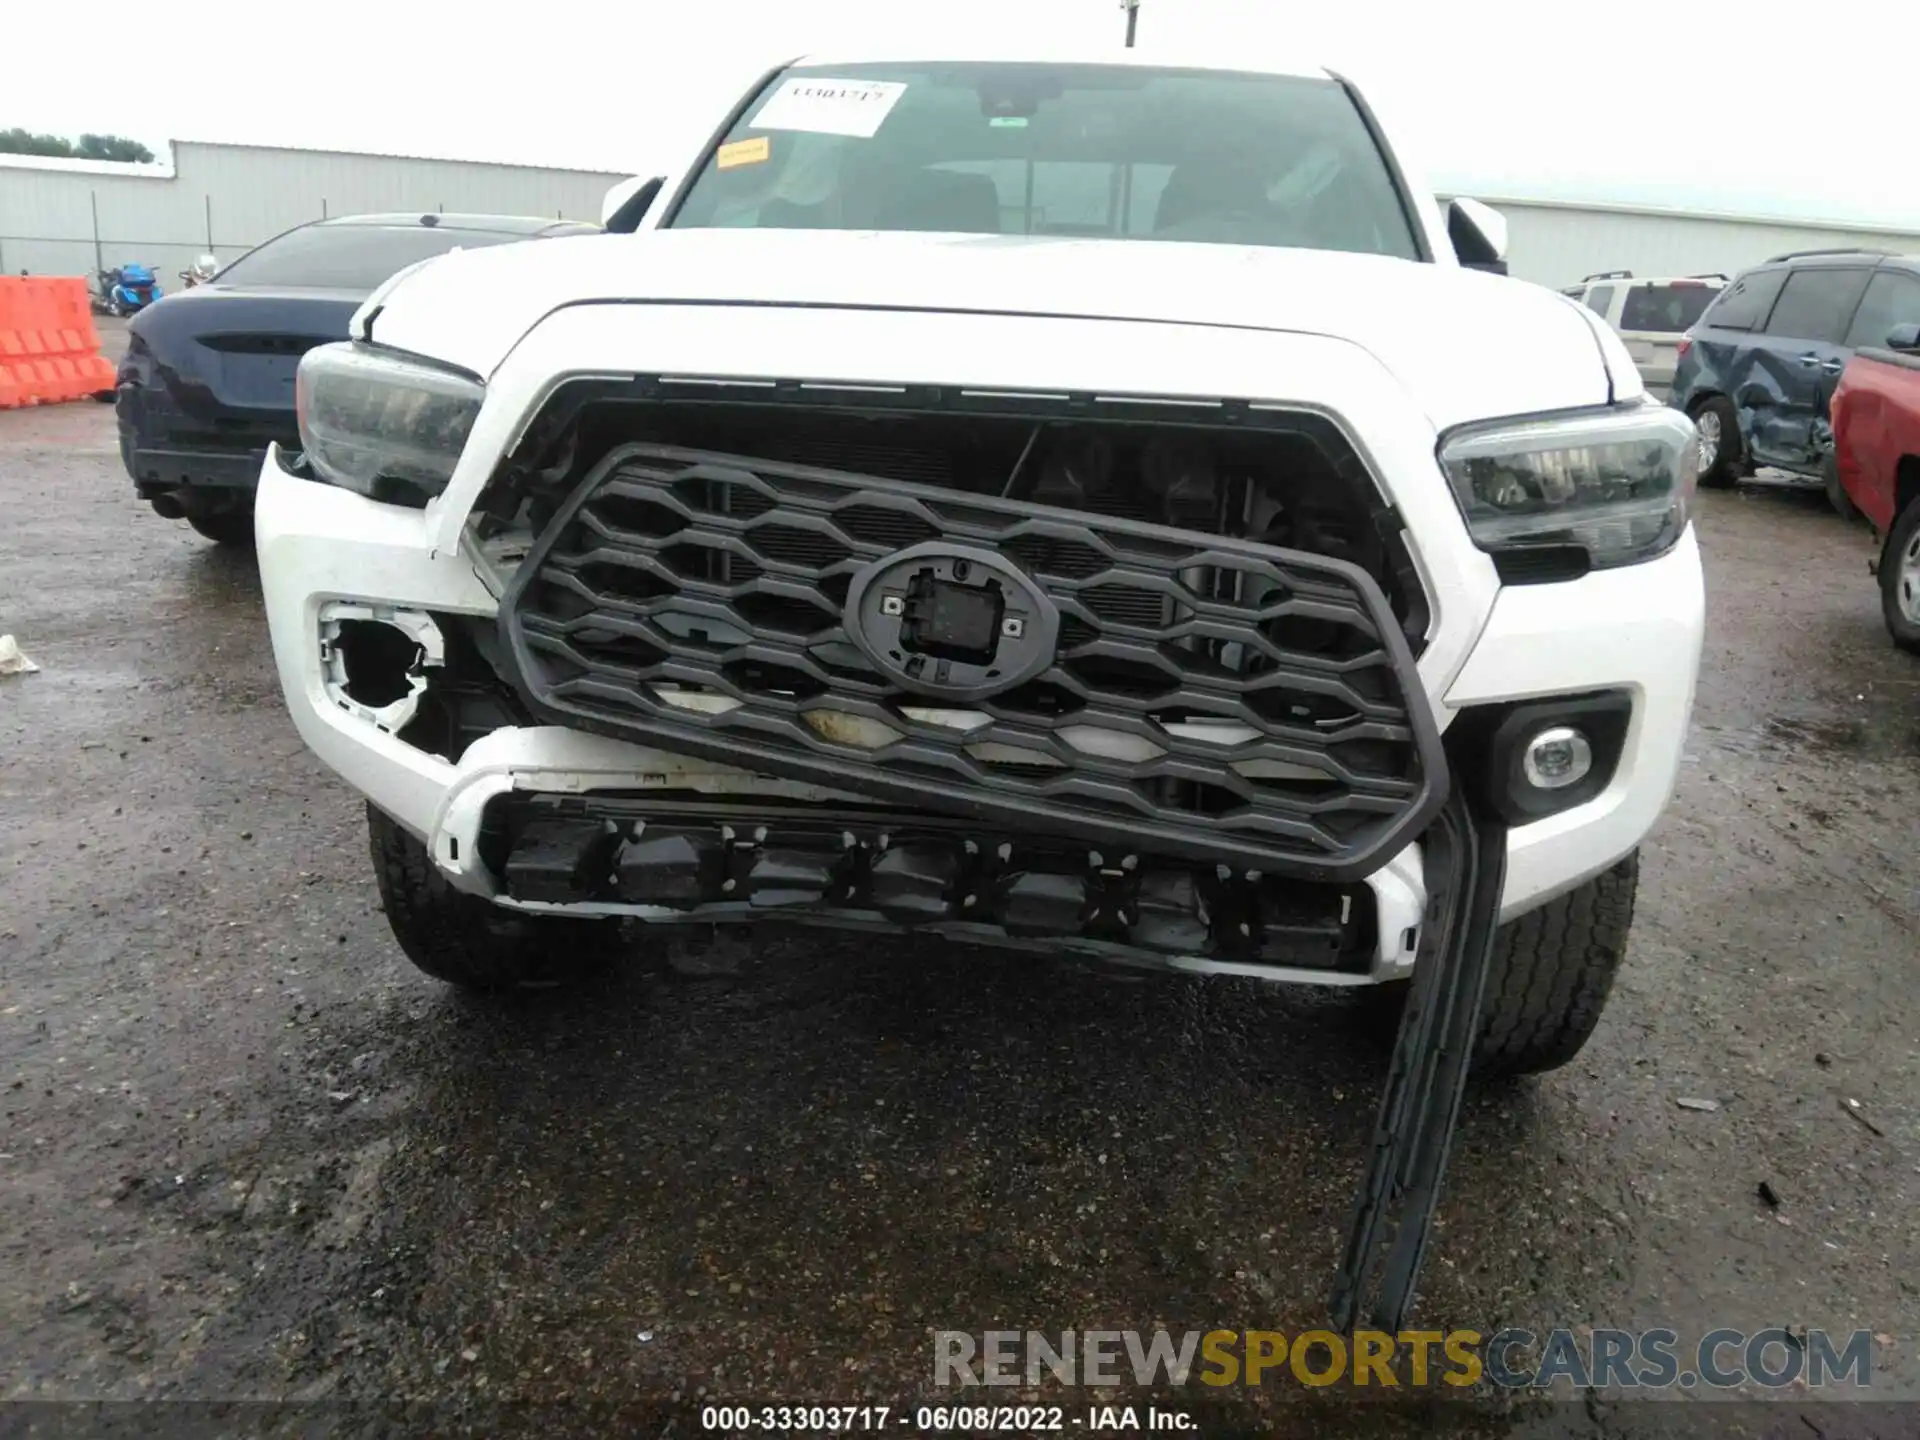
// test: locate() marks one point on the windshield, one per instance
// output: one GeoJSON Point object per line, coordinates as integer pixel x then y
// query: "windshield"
{"type": "Point", "coordinates": [349, 257]}
{"type": "Point", "coordinates": [1117, 152]}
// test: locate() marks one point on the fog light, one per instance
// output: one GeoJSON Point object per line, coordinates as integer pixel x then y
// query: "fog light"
{"type": "Point", "coordinates": [1556, 758]}
{"type": "Point", "coordinates": [1535, 758]}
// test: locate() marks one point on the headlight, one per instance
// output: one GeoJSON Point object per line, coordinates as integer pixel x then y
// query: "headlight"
{"type": "Point", "coordinates": [1617, 484]}
{"type": "Point", "coordinates": [389, 428]}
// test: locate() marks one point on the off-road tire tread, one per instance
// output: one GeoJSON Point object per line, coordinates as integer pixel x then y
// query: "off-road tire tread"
{"type": "Point", "coordinates": [470, 942]}
{"type": "Point", "coordinates": [1551, 972]}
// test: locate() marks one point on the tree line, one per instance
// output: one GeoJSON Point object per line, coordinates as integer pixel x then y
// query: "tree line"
{"type": "Point", "coordinates": [18, 141]}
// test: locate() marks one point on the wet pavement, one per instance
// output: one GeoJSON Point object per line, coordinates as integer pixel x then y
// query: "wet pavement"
{"type": "Point", "coordinates": [248, 1152]}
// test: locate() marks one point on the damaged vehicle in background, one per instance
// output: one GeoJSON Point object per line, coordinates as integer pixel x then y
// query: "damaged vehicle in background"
{"type": "Point", "coordinates": [998, 499]}
{"type": "Point", "coordinates": [206, 383]}
{"type": "Point", "coordinates": [1876, 448]}
{"type": "Point", "coordinates": [1757, 373]}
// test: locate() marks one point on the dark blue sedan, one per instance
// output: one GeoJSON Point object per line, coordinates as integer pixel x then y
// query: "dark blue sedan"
{"type": "Point", "coordinates": [207, 382]}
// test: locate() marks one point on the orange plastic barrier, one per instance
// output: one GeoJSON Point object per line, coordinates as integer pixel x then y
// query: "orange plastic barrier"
{"type": "Point", "coordinates": [49, 350]}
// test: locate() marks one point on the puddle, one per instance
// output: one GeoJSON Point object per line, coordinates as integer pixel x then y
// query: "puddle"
{"type": "Point", "coordinates": [1843, 737]}
{"type": "Point", "coordinates": [1876, 737]}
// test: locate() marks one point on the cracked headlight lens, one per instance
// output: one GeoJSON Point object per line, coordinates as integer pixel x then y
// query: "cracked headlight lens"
{"type": "Point", "coordinates": [1616, 483]}
{"type": "Point", "coordinates": [387, 427]}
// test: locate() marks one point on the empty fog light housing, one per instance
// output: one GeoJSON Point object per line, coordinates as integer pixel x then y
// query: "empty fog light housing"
{"type": "Point", "coordinates": [1556, 758]}
{"type": "Point", "coordinates": [374, 659]}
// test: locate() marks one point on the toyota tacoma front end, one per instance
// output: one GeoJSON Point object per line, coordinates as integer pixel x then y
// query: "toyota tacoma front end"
{"type": "Point", "coordinates": [1197, 583]}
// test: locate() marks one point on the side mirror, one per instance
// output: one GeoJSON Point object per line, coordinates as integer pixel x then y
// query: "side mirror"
{"type": "Point", "coordinates": [627, 203]}
{"type": "Point", "coordinates": [1479, 235]}
{"type": "Point", "coordinates": [1905, 339]}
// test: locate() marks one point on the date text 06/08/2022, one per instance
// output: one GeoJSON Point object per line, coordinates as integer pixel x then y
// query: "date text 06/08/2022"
{"type": "Point", "coordinates": [941, 1419]}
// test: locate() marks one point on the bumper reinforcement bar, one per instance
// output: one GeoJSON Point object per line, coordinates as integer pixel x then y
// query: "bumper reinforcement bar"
{"type": "Point", "coordinates": [704, 860]}
{"type": "Point", "coordinates": [1420, 1108]}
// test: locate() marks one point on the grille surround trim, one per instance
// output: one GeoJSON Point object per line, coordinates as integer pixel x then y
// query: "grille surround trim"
{"type": "Point", "coordinates": [1098, 799]}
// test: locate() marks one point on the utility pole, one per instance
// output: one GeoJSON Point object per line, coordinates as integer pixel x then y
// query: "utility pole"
{"type": "Point", "coordinates": [1132, 7]}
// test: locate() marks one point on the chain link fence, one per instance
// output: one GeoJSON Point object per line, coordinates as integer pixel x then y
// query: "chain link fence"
{"type": "Point", "coordinates": [167, 256]}
{"type": "Point", "coordinates": [226, 199]}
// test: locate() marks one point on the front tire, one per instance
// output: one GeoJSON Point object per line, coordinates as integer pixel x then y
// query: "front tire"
{"type": "Point", "coordinates": [1548, 977]}
{"type": "Point", "coordinates": [1900, 579]}
{"type": "Point", "coordinates": [470, 942]}
{"type": "Point", "coordinates": [1719, 429]}
{"type": "Point", "coordinates": [231, 528]}
{"type": "Point", "coordinates": [1836, 492]}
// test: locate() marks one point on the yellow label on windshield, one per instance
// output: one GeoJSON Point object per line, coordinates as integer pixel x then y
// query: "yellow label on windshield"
{"type": "Point", "coordinates": [744, 152]}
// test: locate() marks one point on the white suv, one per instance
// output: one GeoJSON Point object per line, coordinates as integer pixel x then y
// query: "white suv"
{"type": "Point", "coordinates": [1651, 315]}
{"type": "Point", "coordinates": [1086, 506]}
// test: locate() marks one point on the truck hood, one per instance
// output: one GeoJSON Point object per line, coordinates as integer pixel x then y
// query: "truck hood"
{"type": "Point", "coordinates": [1466, 345]}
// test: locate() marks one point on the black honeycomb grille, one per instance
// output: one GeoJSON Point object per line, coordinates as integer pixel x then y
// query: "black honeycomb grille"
{"type": "Point", "coordinates": [1208, 696]}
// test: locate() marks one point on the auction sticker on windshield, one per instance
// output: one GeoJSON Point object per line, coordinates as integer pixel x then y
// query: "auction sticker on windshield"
{"type": "Point", "coordinates": [744, 152]}
{"type": "Point", "coordinates": [830, 107]}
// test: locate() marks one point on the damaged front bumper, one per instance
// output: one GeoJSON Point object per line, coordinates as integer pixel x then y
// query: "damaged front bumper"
{"type": "Point", "coordinates": [1635, 631]}
{"type": "Point", "coordinates": [550, 818]}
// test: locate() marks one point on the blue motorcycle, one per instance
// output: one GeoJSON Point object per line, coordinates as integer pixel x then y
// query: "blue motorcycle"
{"type": "Point", "coordinates": [127, 290]}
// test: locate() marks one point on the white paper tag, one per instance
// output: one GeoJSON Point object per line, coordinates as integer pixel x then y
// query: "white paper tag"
{"type": "Point", "coordinates": [830, 107]}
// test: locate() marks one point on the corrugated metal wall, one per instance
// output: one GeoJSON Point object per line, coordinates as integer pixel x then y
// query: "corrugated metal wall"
{"type": "Point", "coordinates": [1558, 245]}
{"type": "Point", "coordinates": [243, 195]}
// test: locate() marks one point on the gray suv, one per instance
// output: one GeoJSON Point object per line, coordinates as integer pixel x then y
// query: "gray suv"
{"type": "Point", "coordinates": [1757, 371]}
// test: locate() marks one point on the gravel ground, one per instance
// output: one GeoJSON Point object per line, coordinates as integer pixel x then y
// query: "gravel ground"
{"type": "Point", "coordinates": [247, 1152]}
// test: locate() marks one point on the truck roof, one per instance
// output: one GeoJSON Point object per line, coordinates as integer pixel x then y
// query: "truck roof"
{"type": "Point", "coordinates": [1241, 61]}
{"type": "Point", "coordinates": [495, 224]}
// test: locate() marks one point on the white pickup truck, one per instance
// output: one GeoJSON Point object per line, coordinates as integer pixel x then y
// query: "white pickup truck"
{"type": "Point", "coordinates": [1095, 505]}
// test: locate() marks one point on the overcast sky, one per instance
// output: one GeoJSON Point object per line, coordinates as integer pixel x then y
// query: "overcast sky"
{"type": "Point", "coordinates": [1776, 107]}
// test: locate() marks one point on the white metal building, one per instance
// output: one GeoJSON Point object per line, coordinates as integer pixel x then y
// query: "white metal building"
{"type": "Point", "coordinates": [56, 215]}
{"type": "Point", "coordinates": [1559, 242]}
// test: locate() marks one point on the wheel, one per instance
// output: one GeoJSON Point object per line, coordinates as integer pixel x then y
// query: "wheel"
{"type": "Point", "coordinates": [1900, 579]}
{"type": "Point", "coordinates": [1548, 978]}
{"type": "Point", "coordinates": [1551, 973]}
{"type": "Point", "coordinates": [1719, 431]}
{"type": "Point", "coordinates": [224, 527]}
{"type": "Point", "coordinates": [1836, 492]}
{"type": "Point", "coordinates": [470, 942]}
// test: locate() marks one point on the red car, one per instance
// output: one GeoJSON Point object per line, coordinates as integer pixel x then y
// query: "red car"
{"type": "Point", "coordinates": [1876, 448]}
